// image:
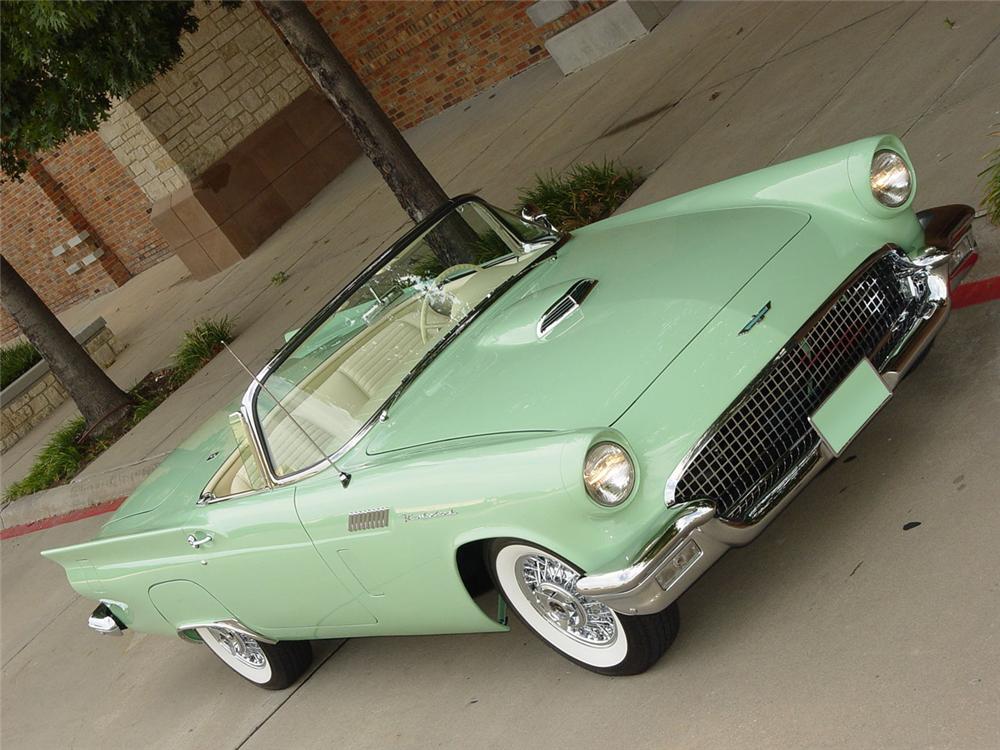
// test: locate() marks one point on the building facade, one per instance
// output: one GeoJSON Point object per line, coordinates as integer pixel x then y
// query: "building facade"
{"type": "Point", "coordinates": [181, 167]}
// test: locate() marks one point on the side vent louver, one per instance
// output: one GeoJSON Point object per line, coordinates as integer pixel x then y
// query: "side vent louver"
{"type": "Point", "coordinates": [565, 306]}
{"type": "Point", "coordinates": [365, 520]}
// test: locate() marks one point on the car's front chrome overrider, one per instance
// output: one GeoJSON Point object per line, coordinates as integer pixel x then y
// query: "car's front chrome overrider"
{"type": "Point", "coordinates": [696, 536]}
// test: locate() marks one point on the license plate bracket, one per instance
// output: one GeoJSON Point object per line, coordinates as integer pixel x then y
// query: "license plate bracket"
{"type": "Point", "coordinates": [850, 407]}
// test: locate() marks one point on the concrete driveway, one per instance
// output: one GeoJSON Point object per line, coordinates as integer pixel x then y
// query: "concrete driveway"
{"type": "Point", "coordinates": [838, 627]}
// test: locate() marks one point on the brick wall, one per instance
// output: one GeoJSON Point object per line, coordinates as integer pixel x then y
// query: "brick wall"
{"type": "Point", "coordinates": [30, 227]}
{"type": "Point", "coordinates": [89, 189]}
{"type": "Point", "coordinates": [235, 75]}
{"type": "Point", "coordinates": [419, 57]}
{"type": "Point", "coordinates": [109, 200]}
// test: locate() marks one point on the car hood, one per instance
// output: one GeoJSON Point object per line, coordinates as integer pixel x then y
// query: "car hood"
{"type": "Point", "coordinates": [659, 282]}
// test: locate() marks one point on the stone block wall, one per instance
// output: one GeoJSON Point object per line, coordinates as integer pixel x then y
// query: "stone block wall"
{"type": "Point", "coordinates": [36, 394]}
{"type": "Point", "coordinates": [235, 75]}
{"type": "Point", "coordinates": [240, 200]}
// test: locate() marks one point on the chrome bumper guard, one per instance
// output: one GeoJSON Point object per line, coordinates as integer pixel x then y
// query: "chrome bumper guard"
{"type": "Point", "coordinates": [104, 622]}
{"type": "Point", "coordinates": [694, 539]}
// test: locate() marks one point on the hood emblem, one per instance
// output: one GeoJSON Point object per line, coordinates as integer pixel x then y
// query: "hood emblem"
{"type": "Point", "coordinates": [758, 316]}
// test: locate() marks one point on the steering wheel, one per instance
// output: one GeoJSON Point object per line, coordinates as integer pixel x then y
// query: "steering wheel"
{"type": "Point", "coordinates": [426, 303]}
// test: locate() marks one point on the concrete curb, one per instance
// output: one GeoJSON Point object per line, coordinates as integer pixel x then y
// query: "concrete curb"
{"type": "Point", "coordinates": [79, 494]}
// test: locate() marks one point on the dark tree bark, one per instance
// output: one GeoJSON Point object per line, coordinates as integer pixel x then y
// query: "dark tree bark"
{"type": "Point", "coordinates": [95, 394]}
{"type": "Point", "coordinates": [413, 185]}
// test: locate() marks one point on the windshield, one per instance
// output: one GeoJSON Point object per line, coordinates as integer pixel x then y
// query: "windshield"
{"type": "Point", "coordinates": [336, 379]}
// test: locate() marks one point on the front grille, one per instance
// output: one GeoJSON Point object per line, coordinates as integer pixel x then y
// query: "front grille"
{"type": "Point", "coordinates": [767, 432]}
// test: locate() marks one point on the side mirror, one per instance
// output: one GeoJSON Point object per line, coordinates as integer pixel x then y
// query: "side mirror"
{"type": "Point", "coordinates": [534, 215]}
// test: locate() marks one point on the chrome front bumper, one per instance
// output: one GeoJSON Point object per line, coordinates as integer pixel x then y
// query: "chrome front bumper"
{"type": "Point", "coordinates": [694, 539]}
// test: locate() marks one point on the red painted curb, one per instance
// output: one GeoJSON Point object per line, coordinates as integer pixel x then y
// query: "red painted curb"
{"type": "Point", "coordinates": [47, 523]}
{"type": "Point", "coordinates": [975, 292]}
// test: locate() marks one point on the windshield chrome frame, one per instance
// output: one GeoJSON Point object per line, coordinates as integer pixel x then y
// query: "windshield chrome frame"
{"type": "Point", "coordinates": [249, 400]}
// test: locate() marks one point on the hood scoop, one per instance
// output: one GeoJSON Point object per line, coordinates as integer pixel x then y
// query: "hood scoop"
{"type": "Point", "coordinates": [565, 306]}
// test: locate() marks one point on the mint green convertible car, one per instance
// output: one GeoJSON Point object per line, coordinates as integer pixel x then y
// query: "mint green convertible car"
{"type": "Point", "coordinates": [584, 421]}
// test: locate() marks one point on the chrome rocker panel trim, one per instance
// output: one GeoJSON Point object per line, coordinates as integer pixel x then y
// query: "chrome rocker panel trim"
{"type": "Point", "coordinates": [635, 590]}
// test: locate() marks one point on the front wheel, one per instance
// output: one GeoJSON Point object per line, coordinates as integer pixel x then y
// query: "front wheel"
{"type": "Point", "coordinates": [272, 666]}
{"type": "Point", "coordinates": [541, 588]}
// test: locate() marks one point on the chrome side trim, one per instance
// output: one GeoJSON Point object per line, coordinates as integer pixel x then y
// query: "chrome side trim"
{"type": "Point", "coordinates": [234, 625]}
{"type": "Point", "coordinates": [365, 520]}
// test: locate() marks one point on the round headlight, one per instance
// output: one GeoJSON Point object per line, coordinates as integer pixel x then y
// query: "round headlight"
{"type": "Point", "coordinates": [608, 474]}
{"type": "Point", "coordinates": [890, 179]}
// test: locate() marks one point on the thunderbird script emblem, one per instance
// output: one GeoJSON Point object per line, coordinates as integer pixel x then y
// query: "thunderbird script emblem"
{"type": "Point", "coordinates": [758, 316]}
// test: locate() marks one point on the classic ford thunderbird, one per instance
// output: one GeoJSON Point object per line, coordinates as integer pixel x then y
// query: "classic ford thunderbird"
{"type": "Point", "coordinates": [585, 422]}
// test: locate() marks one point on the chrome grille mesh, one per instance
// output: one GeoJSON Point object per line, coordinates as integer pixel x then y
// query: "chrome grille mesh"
{"type": "Point", "coordinates": [767, 432]}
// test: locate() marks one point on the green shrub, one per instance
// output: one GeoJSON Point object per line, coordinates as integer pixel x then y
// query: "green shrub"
{"type": "Point", "coordinates": [60, 460]}
{"type": "Point", "coordinates": [582, 194]}
{"type": "Point", "coordinates": [992, 197]}
{"type": "Point", "coordinates": [200, 345]}
{"type": "Point", "coordinates": [15, 360]}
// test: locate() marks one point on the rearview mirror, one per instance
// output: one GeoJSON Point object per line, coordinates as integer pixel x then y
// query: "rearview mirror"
{"type": "Point", "coordinates": [532, 213]}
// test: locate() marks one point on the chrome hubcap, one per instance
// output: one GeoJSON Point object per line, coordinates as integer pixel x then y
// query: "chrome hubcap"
{"type": "Point", "coordinates": [242, 647]}
{"type": "Point", "coordinates": [550, 586]}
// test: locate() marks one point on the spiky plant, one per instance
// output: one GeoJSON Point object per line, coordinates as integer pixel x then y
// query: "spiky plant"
{"type": "Point", "coordinates": [15, 360]}
{"type": "Point", "coordinates": [200, 345]}
{"type": "Point", "coordinates": [59, 461]}
{"type": "Point", "coordinates": [582, 194]}
{"type": "Point", "coordinates": [992, 197]}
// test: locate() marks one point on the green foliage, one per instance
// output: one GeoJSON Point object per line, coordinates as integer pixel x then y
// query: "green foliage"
{"type": "Point", "coordinates": [63, 63]}
{"type": "Point", "coordinates": [992, 197]}
{"type": "Point", "coordinates": [199, 346]}
{"type": "Point", "coordinates": [59, 461]}
{"type": "Point", "coordinates": [15, 360]}
{"type": "Point", "coordinates": [583, 194]}
{"type": "Point", "coordinates": [279, 278]}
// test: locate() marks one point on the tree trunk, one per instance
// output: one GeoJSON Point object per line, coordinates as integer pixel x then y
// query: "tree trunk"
{"type": "Point", "coordinates": [95, 394]}
{"type": "Point", "coordinates": [414, 187]}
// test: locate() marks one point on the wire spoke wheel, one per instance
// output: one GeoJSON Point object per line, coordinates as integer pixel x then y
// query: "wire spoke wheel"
{"type": "Point", "coordinates": [541, 588]}
{"type": "Point", "coordinates": [550, 585]}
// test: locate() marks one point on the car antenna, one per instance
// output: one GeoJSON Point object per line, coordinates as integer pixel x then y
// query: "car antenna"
{"type": "Point", "coordinates": [345, 478]}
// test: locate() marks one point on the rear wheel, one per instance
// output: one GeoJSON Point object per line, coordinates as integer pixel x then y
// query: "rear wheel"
{"type": "Point", "coordinates": [541, 588]}
{"type": "Point", "coordinates": [272, 666]}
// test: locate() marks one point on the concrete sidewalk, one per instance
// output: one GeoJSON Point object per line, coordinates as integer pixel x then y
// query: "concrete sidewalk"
{"type": "Point", "coordinates": [715, 90]}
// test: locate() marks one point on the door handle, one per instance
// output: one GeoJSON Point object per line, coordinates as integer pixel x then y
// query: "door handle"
{"type": "Point", "coordinates": [196, 542]}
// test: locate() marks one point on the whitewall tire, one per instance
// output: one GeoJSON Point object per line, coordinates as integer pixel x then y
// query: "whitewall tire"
{"type": "Point", "coordinates": [273, 666]}
{"type": "Point", "coordinates": [540, 587]}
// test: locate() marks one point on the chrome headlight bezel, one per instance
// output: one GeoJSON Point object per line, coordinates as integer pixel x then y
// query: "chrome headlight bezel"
{"type": "Point", "coordinates": [890, 178]}
{"type": "Point", "coordinates": [608, 474]}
